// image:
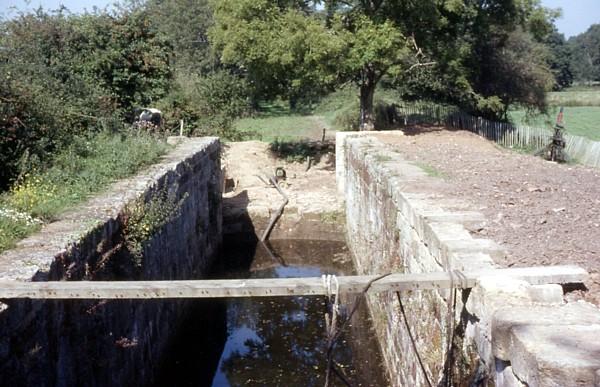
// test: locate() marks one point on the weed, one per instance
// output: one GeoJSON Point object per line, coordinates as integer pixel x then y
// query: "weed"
{"type": "Point", "coordinates": [382, 158]}
{"type": "Point", "coordinates": [86, 167]}
{"type": "Point", "coordinates": [333, 217]}
{"type": "Point", "coordinates": [293, 151]}
{"type": "Point", "coordinates": [15, 225]}
{"type": "Point", "coordinates": [431, 171]}
{"type": "Point", "coordinates": [143, 219]}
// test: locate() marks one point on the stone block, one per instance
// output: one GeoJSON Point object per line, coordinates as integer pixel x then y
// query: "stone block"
{"type": "Point", "coordinates": [506, 319]}
{"type": "Point", "coordinates": [505, 376]}
{"type": "Point", "coordinates": [546, 294]}
{"type": "Point", "coordinates": [462, 217]}
{"type": "Point", "coordinates": [556, 355]}
{"type": "Point", "coordinates": [486, 246]}
{"type": "Point", "coordinates": [471, 261]}
{"type": "Point", "coordinates": [490, 294]}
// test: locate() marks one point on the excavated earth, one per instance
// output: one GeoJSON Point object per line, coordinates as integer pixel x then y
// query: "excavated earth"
{"type": "Point", "coordinates": [311, 190]}
{"type": "Point", "coordinates": [541, 212]}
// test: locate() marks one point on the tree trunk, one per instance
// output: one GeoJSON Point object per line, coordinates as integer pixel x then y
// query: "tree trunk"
{"type": "Point", "coordinates": [367, 91]}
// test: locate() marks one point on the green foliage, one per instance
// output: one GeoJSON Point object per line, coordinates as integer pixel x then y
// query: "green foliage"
{"type": "Point", "coordinates": [283, 51]}
{"type": "Point", "coordinates": [293, 151]}
{"type": "Point", "coordinates": [66, 75]}
{"type": "Point", "coordinates": [184, 24]}
{"type": "Point", "coordinates": [85, 167]}
{"type": "Point", "coordinates": [208, 104]}
{"type": "Point", "coordinates": [585, 49]}
{"type": "Point", "coordinates": [560, 60]}
{"type": "Point", "coordinates": [143, 218]}
{"type": "Point", "coordinates": [479, 53]}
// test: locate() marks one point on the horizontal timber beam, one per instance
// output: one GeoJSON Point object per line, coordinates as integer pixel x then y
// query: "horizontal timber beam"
{"type": "Point", "coordinates": [277, 286]}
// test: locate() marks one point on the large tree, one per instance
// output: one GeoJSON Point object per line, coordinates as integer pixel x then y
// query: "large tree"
{"type": "Point", "coordinates": [290, 48]}
{"type": "Point", "coordinates": [585, 50]}
{"type": "Point", "coordinates": [473, 48]}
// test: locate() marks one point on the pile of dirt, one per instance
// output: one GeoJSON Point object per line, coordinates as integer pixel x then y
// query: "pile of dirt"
{"type": "Point", "coordinates": [543, 213]}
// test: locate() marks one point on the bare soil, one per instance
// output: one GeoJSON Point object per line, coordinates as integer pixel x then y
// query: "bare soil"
{"type": "Point", "coordinates": [542, 213]}
{"type": "Point", "coordinates": [311, 190]}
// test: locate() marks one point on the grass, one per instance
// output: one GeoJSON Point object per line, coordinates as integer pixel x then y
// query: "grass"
{"type": "Point", "coordinates": [579, 120]}
{"type": "Point", "coordinates": [275, 121]}
{"type": "Point", "coordinates": [430, 170]}
{"type": "Point", "coordinates": [83, 169]}
{"type": "Point", "coordinates": [337, 111]}
{"type": "Point", "coordinates": [589, 97]}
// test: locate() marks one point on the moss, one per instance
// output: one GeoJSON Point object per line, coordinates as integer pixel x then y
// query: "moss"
{"type": "Point", "coordinates": [431, 171]}
{"type": "Point", "coordinates": [333, 217]}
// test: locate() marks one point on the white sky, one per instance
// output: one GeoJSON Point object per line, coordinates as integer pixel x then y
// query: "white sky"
{"type": "Point", "coordinates": [578, 15]}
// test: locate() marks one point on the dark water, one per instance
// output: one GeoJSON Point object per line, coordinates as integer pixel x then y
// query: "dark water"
{"type": "Point", "coordinates": [277, 341]}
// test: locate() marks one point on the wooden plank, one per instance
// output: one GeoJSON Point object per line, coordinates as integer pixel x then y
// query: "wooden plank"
{"type": "Point", "coordinates": [275, 286]}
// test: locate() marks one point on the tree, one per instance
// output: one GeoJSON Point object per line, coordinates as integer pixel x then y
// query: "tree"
{"type": "Point", "coordinates": [480, 65]}
{"type": "Point", "coordinates": [586, 55]}
{"type": "Point", "coordinates": [472, 48]}
{"type": "Point", "coordinates": [184, 25]}
{"type": "Point", "coordinates": [560, 60]}
{"type": "Point", "coordinates": [289, 48]}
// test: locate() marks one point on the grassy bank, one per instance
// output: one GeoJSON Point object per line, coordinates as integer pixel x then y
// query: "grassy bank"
{"type": "Point", "coordinates": [334, 112]}
{"type": "Point", "coordinates": [579, 120]}
{"type": "Point", "coordinates": [275, 120]}
{"type": "Point", "coordinates": [84, 168]}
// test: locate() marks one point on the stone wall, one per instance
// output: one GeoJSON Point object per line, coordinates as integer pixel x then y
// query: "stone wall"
{"type": "Point", "coordinates": [504, 330]}
{"type": "Point", "coordinates": [98, 343]}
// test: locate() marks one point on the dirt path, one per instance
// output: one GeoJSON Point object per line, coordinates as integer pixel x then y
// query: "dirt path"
{"type": "Point", "coordinates": [543, 213]}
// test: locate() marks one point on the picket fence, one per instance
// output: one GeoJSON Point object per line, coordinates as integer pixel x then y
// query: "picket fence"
{"type": "Point", "coordinates": [578, 148]}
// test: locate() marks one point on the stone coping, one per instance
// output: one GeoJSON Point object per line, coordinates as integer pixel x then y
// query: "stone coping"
{"type": "Point", "coordinates": [537, 338]}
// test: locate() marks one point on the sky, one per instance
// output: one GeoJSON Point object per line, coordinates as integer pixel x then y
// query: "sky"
{"type": "Point", "coordinates": [578, 15]}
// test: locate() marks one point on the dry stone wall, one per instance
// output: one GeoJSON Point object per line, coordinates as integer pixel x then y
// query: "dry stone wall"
{"type": "Point", "coordinates": [503, 331]}
{"type": "Point", "coordinates": [119, 342]}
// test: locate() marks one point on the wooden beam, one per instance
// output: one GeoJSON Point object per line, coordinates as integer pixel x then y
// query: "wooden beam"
{"type": "Point", "coordinates": [276, 286]}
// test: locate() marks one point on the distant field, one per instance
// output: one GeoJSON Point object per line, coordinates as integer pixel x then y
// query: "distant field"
{"type": "Point", "coordinates": [579, 120]}
{"type": "Point", "coordinates": [586, 97]}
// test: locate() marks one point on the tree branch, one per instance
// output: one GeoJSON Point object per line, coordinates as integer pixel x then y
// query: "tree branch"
{"type": "Point", "coordinates": [414, 66]}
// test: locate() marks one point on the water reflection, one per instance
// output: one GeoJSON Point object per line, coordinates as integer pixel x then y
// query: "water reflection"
{"type": "Point", "coordinates": [281, 341]}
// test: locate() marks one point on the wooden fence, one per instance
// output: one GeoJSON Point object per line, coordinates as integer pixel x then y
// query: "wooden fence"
{"type": "Point", "coordinates": [580, 149]}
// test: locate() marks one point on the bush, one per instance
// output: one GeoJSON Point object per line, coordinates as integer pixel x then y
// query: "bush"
{"type": "Point", "coordinates": [67, 75]}
{"type": "Point", "coordinates": [87, 166]}
{"type": "Point", "coordinates": [143, 219]}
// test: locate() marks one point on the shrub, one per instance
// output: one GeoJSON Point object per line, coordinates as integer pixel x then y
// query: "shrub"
{"type": "Point", "coordinates": [142, 219]}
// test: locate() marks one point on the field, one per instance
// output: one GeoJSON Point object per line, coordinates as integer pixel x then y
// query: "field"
{"type": "Point", "coordinates": [275, 121]}
{"type": "Point", "coordinates": [578, 120]}
{"type": "Point", "coordinates": [571, 97]}
{"type": "Point", "coordinates": [581, 117]}
{"type": "Point", "coordinates": [336, 111]}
